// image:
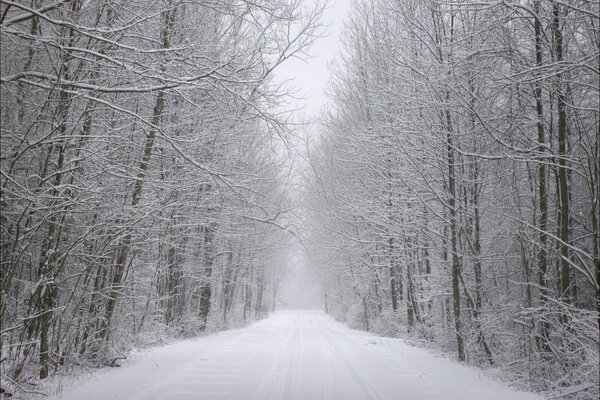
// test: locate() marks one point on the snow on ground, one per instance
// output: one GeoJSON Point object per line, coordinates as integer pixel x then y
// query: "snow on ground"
{"type": "Point", "coordinates": [292, 355]}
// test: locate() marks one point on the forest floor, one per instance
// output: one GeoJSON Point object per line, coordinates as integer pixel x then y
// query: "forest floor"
{"type": "Point", "coordinates": [292, 355]}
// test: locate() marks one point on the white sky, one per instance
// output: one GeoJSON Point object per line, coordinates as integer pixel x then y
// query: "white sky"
{"type": "Point", "coordinates": [310, 77]}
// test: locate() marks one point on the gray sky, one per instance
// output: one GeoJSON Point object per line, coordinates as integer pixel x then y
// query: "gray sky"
{"type": "Point", "coordinates": [310, 77]}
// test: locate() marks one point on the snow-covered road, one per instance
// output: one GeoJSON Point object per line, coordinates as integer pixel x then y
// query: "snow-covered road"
{"type": "Point", "coordinates": [292, 355]}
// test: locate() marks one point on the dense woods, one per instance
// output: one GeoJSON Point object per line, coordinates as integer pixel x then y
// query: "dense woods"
{"type": "Point", "coordinates": [143, 176]}
{"type": "Point", "coordinates": [449, 194]}
{"type": "Point", "coordinates": [454, 185]}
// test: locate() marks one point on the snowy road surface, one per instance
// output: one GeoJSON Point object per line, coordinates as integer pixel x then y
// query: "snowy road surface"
{"type": "Point", "coordinates": [292, 355]}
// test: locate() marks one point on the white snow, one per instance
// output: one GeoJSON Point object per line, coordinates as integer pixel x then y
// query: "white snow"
{"type": "Point", "coordinates": [292, 355]}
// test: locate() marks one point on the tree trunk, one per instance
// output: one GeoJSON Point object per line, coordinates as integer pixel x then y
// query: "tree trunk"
{"type": "Point", "coordinates": [542, 191]}
{"type": "Point", "coordinates": [565, 269]}
{"type": "Point", "coordinates": [454, 239]}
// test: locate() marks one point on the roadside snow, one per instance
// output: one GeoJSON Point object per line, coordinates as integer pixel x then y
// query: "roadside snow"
{"type": "Point", "coordinates": [292, 355]}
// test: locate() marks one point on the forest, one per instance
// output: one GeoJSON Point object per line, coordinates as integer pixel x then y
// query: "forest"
{"type": "Point", "coordinates": [456, 182]}
{"type": "Point", "coordinates": [155, 182]}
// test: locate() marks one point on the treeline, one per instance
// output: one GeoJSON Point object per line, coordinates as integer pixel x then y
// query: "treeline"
{"type": "Point", "coordinates": [456, 179]}
{"type": "Point", "coordinates": [141, 172]}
